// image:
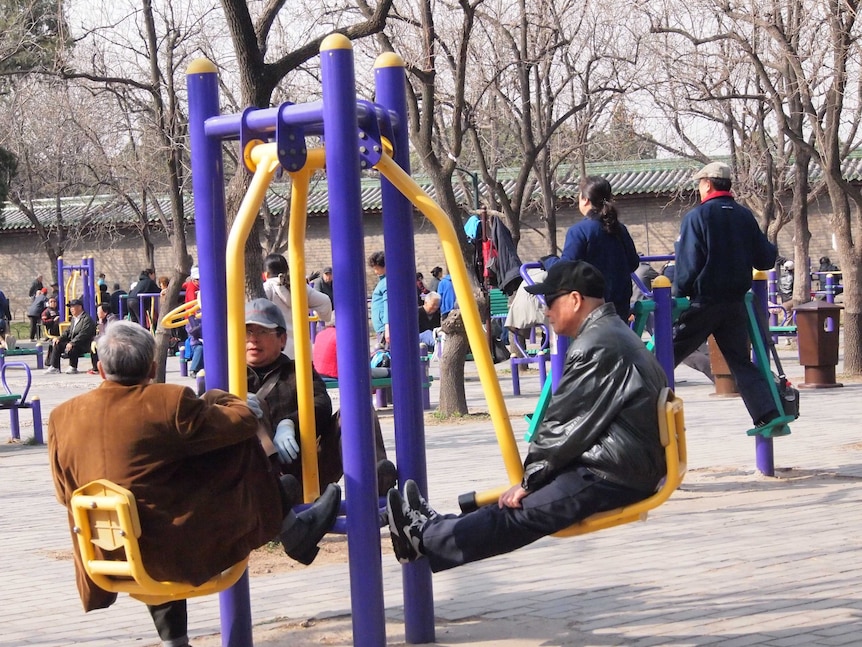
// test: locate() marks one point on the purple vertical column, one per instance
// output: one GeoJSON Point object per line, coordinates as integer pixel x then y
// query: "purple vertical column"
{"type": "Point", "coordinates": [211, 237]}
{"type": "Point", "coordinates": [763, 449]}
{"type": "Point", "coordinates": [407, 370]}
{"type": "Point", "coordinates": [90, 286]}
{"type": "Point", "coordinates": [61, 288]}
{"type": "Point", "coordinates": [340, 127]}
{"type": "Point", "coordinates": [663, 331]}
{"type": "Point", "coordinates": [830, 288]}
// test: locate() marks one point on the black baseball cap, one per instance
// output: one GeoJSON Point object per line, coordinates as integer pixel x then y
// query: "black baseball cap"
{"type": "Point", "coordinates": [76, 302]}
{"type": "Point", "coordinates": [571, 276]}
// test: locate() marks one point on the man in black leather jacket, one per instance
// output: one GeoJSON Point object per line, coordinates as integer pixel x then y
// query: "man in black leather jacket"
{"type": "Point", "coordinates": [596, 449]}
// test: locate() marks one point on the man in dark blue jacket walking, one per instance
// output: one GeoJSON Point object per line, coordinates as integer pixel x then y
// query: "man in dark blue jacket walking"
{"type": "Point", "coordinates": [719, 244]}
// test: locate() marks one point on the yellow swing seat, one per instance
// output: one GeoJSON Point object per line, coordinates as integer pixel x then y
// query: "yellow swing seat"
{"type": "Point", "coordinates": [106, 517]}
{"type": "Point", "coordinates": [671, 429]}
{"type": "Point", "coordinates": [671, 422]}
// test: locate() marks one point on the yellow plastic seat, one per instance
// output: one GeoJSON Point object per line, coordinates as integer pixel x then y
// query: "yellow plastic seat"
{"type": "Point", "coordinates": [106, 517]}
{"type": "Point", "coordinates": [671, 422]}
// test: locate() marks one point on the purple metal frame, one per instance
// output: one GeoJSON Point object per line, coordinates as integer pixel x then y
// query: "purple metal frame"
{"type": "Point", "coordinates": [352, 132]}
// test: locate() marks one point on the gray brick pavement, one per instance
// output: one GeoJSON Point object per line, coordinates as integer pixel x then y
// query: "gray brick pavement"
{"type": "Point", "coordinates": [733, 558]}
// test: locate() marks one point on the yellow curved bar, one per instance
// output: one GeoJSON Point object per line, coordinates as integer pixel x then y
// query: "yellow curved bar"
{"type": "Point", "coordinates": [179, 316]}
{"type": "Point", "coordinates": [300, 180]}
{"type": "Point", "coordinates": [71, 292]}
{"type": "Point", "coordinates": [265, 158]}
{"type": "Point", "coordinates": [469, 311]}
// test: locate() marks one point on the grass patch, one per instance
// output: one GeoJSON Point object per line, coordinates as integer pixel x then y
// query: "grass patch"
{"type": "Point", "coordinates": [437, 418]}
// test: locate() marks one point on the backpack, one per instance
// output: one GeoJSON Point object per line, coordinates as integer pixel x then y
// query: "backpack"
{"type": "Point", "coordinates": [381, 359]}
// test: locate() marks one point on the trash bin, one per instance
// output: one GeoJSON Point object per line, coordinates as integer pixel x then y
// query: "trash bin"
{"type": "Point", "coordinates": [817, 328]}
{"type": "Point", "coordinates": [725, 384]}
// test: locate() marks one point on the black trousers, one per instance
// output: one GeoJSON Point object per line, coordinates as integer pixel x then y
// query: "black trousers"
{"type": "Point", "coordinates": [452, 540]}
{"type": "Point", "coordinates": [171, 620]}
{"type": "Point", "coordinates": [728, 323]}
{"type": "Point", "coordinates": [35, 322]}
{"type": "Point", "coordinates": [74, 355]}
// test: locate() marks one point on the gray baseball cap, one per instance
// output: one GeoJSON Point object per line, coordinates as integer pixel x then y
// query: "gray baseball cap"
{"type": "Point", "coordinates": [264, 312]}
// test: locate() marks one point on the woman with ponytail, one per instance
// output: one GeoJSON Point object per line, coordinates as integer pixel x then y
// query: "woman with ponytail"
{"type": "Point", "coordinates": [603, 241]}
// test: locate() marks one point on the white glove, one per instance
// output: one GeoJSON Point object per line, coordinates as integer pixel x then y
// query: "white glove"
{"type": "Point", "coordinates": [254, 404]}
{"type": "Point", "coordinates": [285, 441]}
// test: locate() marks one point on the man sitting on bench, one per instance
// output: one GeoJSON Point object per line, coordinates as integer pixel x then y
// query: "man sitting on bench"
{"type": "Point", "coordinates": [75, 340]}
{"type": "Point", "coordinates": [596, 449]}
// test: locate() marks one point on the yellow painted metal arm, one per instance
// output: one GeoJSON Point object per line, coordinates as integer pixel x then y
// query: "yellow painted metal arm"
{"type": "Point", "coordinates": [469, 311]}
{"type": "Point", "coordinates": [265, 159]}
{"type": "Point", "coordinates": [299, 313]}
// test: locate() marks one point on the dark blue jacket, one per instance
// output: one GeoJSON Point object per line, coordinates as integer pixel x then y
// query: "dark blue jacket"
{"type": "Point", "coordinates": [614, 256]}
{"type": "Point", "coordinates": [719, 244]}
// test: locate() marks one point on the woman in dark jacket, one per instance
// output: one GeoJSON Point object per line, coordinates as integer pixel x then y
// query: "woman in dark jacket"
{"type": "Point", "coordinates": [603, 241]}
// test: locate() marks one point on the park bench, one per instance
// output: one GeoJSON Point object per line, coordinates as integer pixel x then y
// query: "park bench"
{"type": "Point", "coordinates": [382, 387]}
{"type": "Point", "coordinates": [22, 352]}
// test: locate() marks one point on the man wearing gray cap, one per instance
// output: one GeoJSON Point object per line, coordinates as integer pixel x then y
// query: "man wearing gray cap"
{"type": "Point", "coordinates": [597, 447]}
{"type": "Point", "coordinates": [272, 387]}
{"type": "Point", "coordinates": [719, 243]}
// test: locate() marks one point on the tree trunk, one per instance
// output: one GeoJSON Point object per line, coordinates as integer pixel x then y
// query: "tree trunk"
{"type": "Point", "coordinates": [164, 335]}
{"type": "Point", "coordinates": [453, 399]}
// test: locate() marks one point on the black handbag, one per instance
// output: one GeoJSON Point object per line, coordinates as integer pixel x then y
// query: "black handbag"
{"type": "Point", "coordinates": [787, 393]}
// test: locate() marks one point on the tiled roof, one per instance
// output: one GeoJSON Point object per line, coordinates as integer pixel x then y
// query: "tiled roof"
{"type": "Point", "coordinates": [627, 178]}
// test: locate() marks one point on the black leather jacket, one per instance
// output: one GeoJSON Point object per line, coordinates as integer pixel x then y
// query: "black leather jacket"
{"type": "Point", "coordinates": [603, 413]}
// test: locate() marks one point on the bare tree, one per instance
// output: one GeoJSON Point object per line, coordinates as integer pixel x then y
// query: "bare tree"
{"type": "Point", "coordinates": [159, 43]}
{"type": "Point", "coordinates": [806, 60]}
{"type": "Point", "coordinates": [51, 153]}
{"type": "Point", "coordinates": [261, 67]}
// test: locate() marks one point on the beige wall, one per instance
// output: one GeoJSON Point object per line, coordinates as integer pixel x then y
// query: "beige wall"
{"type": "Point", "coordinates": [653, 223]}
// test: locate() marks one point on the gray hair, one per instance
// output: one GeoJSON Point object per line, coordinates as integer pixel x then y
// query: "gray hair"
{"type": "Point", "coordinates": [432, 297]}
{"type": "Point", "coordinates": [126, 352]}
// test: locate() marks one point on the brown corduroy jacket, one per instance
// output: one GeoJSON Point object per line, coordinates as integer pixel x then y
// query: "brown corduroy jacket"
{"type": "Point", "coordinates": [205, 493]}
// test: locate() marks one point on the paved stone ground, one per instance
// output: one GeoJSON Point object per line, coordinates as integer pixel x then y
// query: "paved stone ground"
{"type": "Point", "coordinates": [733, 559]}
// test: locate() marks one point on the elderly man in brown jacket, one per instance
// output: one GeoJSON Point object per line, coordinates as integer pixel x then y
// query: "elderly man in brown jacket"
{"type": "Point", "coordinates": [206, 495]}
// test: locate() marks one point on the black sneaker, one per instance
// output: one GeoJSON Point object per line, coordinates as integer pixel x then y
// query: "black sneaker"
{"type": "Point", "coordinates": [416, 501]}
{"type": "Point", "coordinates": [406, 533]}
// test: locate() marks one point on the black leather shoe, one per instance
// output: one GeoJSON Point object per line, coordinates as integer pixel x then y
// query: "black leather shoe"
{"type": "Point", "coordinates": [301, 533]}
{"type": "Point", "coordinates": [387, 476]}
{"type": "Point", "coordinates": [291, 488]}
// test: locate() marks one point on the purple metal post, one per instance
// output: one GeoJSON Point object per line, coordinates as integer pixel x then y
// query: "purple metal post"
{"type": "Point", "coordinates": [14, 422]}
{"type": "Point", "coordinates": [663, 331]}
{"type": "Point", "coordinates": [88, 266]}
{"type": "Point", "coordinates": [340, 123]}
{"type": "Point", "coordinates": [407, 374]}
{"type": "Point", "coordinates": [763, 449]}
{"type": "Point", "coordinates": [208, 187]}
{"type": "Point", "coordinates": [61, 290]}
{"type": "Point", "coordinates": [36, 406]}
{"type": "Point", "coordinates": [830, 288]}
